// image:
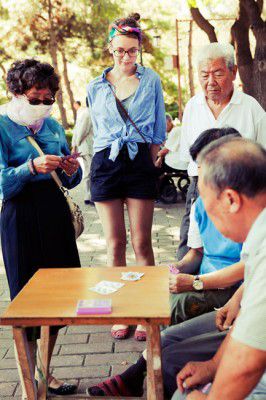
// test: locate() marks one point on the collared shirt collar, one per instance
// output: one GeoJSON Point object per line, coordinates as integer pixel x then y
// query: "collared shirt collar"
{"type": "Point", "coordinates": [255, 235]}
{"type": "Point", "coordinates": [235, 99]}
{"type": "Point", "coordinates": [139, 71]}
{"type": "Point", "coordinates": [17, 131]}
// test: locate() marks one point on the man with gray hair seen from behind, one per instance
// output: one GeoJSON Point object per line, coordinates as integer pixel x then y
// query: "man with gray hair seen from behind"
{"type": "Point", "coordinates": [218, 105]}
{"type": "Point", "coordinates": [232, 184]}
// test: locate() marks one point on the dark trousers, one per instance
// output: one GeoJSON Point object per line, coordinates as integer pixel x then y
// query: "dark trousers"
{"type": "Point", "coordinates": [189, 305]}
{"type": "Point", "coordinates": [192, 195]}
{"type": "Point", "coordinates": [195, 340]}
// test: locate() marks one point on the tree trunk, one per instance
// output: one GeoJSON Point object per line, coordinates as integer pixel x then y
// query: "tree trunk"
{"type": "Point", "coordinates": [53, 53]}
{"type": "Point", "coordinates": [190, 65]}
{"type": "Point", "coordinates": [252, 71]}
{"type": "Point", "coordinates": [204, 24]}
{"type": "Point", "coordinates": [67, 83]}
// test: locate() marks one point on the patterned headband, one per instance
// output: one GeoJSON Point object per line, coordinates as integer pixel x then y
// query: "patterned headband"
{"type": "Point", "coordinates": [117, 30]}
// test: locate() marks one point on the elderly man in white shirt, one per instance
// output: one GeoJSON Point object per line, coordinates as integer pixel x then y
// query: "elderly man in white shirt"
{"type": "Point", "coordinates": [218, 105]}
{"type": "Point", "coordinates": [82, 141]}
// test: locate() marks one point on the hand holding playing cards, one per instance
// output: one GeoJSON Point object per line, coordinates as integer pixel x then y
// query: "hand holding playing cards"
{"type": "Point", "coordinates": [179, 283]}
{"type": "Point", "coordinates": [70, 164]}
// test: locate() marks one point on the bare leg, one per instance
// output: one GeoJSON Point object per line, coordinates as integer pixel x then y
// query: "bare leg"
{"type": "Point", "coordinates": [111, 214]}
{"type": "Point", "coordinates": [140, 214]}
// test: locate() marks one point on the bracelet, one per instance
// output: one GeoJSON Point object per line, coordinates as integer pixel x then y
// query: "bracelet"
{"type": "Point", "coordinates": [33, 166]}
{"type": "Point", "coordinates": [30, 166]}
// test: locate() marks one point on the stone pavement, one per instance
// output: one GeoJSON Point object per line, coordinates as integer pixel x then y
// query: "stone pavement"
{"type": "Point", "coordinates": [87, 354]}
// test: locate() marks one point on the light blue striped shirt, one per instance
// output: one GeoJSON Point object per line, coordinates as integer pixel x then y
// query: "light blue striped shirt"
{"type": "Point", "coordinates": [146, 110]}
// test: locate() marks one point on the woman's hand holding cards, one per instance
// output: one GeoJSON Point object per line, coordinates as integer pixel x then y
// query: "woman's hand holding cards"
{"type": "Point", "coordinates": [70, 164]}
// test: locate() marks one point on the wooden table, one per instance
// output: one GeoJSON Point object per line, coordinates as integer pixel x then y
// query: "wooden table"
{"type": "Point", "coordinates": [50, 299]}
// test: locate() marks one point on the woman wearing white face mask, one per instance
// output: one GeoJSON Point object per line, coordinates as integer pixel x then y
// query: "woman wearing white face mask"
{"type": "Point", "coordinates": [36, 226]}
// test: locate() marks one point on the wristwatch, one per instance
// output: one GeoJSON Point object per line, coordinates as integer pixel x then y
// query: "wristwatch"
{"type": "Point", "coordinates": [197, 283]}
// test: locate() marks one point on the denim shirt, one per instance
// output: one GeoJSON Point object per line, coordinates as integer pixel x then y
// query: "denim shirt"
{"type": "Point", "coordinates": [146, 110]}
{"type": "Point", "coordinates": [15, 152]}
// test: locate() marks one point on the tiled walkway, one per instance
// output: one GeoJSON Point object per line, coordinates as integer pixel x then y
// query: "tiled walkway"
{"type": "Point", "coordinates": [86, 354]}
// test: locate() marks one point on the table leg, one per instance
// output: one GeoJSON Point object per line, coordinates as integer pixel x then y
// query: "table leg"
{"type": "Point", "coordinates": [44, 362]}
{"type": "Point", "coordinates": [154, 364]}
{"type": "Point", "coordinates": [27, 369]}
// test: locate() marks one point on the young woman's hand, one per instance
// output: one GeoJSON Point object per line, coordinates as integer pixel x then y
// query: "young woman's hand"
{"type": "Point", "coordinates": [46, 164]}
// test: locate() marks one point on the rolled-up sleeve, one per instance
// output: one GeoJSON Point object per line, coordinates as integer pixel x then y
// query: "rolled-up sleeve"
{"type": "Point", "coordinates": [194, 238]}
{"type": "Point", "coordinates": [159, 135]}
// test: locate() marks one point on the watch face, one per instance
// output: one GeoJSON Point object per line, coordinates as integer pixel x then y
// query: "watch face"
{"type": "Point", "coordinates": [198, 284]}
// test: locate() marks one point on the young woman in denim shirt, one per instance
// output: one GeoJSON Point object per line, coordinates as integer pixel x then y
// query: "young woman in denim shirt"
{"type": "Point", "coordinates": [36, 227]}
{"type": "Point", "coordinates": [125, 149]}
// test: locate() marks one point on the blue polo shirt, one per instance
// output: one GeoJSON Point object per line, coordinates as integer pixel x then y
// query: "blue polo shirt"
{"type": "Point", "coordinates": [218, 251]}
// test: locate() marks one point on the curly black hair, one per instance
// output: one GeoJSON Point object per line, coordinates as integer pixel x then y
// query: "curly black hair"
{"type": "Point", "coordinates": [25, 74]}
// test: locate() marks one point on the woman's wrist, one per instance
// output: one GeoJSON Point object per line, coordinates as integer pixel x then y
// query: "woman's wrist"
{"type": "Point", "coordinates": [32, 168]}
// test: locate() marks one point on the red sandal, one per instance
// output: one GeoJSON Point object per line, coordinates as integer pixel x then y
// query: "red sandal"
{"type": "Point", "coordinates": [120, 333]}
{"type": "Point", "coordinates": [111, 387]}
{"type": "Point", "coordinates": [140, 336]}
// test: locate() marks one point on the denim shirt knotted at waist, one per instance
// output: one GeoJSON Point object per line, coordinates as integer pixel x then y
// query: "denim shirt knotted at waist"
{"type": "Point", "coordinates": [146, 110]}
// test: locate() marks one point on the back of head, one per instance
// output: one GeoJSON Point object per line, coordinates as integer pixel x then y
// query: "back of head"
{"type": "Point", "coordinates": [235, 163]}
{"type": "Point", "coordinates": [213, 51]}
{"type": "Point", "coordinates": [209, 136]}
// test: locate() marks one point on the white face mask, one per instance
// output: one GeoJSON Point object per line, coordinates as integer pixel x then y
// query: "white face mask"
{"type": "Point", "coordinates": [23, 113]}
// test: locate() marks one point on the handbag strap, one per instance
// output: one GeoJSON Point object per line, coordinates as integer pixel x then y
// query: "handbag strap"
{"type": "Point", "coordinates": [53, 173]}
{"type": "Point", "coordinates": [127, 115]}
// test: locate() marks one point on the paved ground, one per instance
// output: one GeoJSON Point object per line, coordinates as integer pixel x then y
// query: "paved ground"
{"type": "Point", "coordinates": [85, 355]}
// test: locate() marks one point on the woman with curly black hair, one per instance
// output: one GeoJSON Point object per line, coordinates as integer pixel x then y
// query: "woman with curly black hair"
{"type": "Point", "coordinates": [36, 227]}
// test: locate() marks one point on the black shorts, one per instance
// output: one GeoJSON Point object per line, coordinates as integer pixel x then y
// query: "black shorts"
{"type": "Point", "coordinates": [123, 178]}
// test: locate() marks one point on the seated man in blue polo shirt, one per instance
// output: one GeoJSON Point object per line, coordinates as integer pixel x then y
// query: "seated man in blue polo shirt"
{"type": "Point", "coordinates": [199, 287]}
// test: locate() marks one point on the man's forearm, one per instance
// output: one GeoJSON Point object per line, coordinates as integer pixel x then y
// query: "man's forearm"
{"type": "Point", "coordinates": [239, 371]}
{"type": "Point", "coordinates": [225, 277]}
{"type": "Point", "coordinates": [190, 263]}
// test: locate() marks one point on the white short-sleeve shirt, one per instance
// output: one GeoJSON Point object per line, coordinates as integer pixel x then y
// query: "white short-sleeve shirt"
{"type": "Point", "coordinates": [194, 238]}
{"type": "Point", "coordinates": [172, 144]}
{"type": "Point", "coordinates": [243, 113]}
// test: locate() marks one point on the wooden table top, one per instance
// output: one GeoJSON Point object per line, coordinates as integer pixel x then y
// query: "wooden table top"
{"type": "Point", "coordinates": [51, 296]}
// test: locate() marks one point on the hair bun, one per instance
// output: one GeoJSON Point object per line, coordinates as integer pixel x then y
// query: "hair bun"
{"type": "Point", "coordinates": [135, 16]}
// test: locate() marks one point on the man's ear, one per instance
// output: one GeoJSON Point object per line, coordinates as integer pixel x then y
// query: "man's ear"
{"type": "Point", "coordinates": [231, 200]}
{"type": "Point", "coordinates": [234, 72]}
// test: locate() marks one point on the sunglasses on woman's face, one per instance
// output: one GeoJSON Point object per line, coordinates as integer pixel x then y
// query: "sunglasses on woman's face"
{"type": "Point", "coordinates": [37, 102]}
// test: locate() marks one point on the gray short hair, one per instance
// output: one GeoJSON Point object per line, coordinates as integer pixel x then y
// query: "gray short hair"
{"type": "Point", "coordinates": [212, 51]}
{"type": "Point", "coordinates": [235, 163]}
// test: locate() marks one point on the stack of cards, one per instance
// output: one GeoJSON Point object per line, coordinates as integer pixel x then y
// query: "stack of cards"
{"type": "Point", "coordinates": [131, 276]}
{"type": "Point", "coordinates": [97, 306]}
{"type": "Point", "coordinates": [173, 269]}
{"type": "Point", "coordinates": [107, 287]}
